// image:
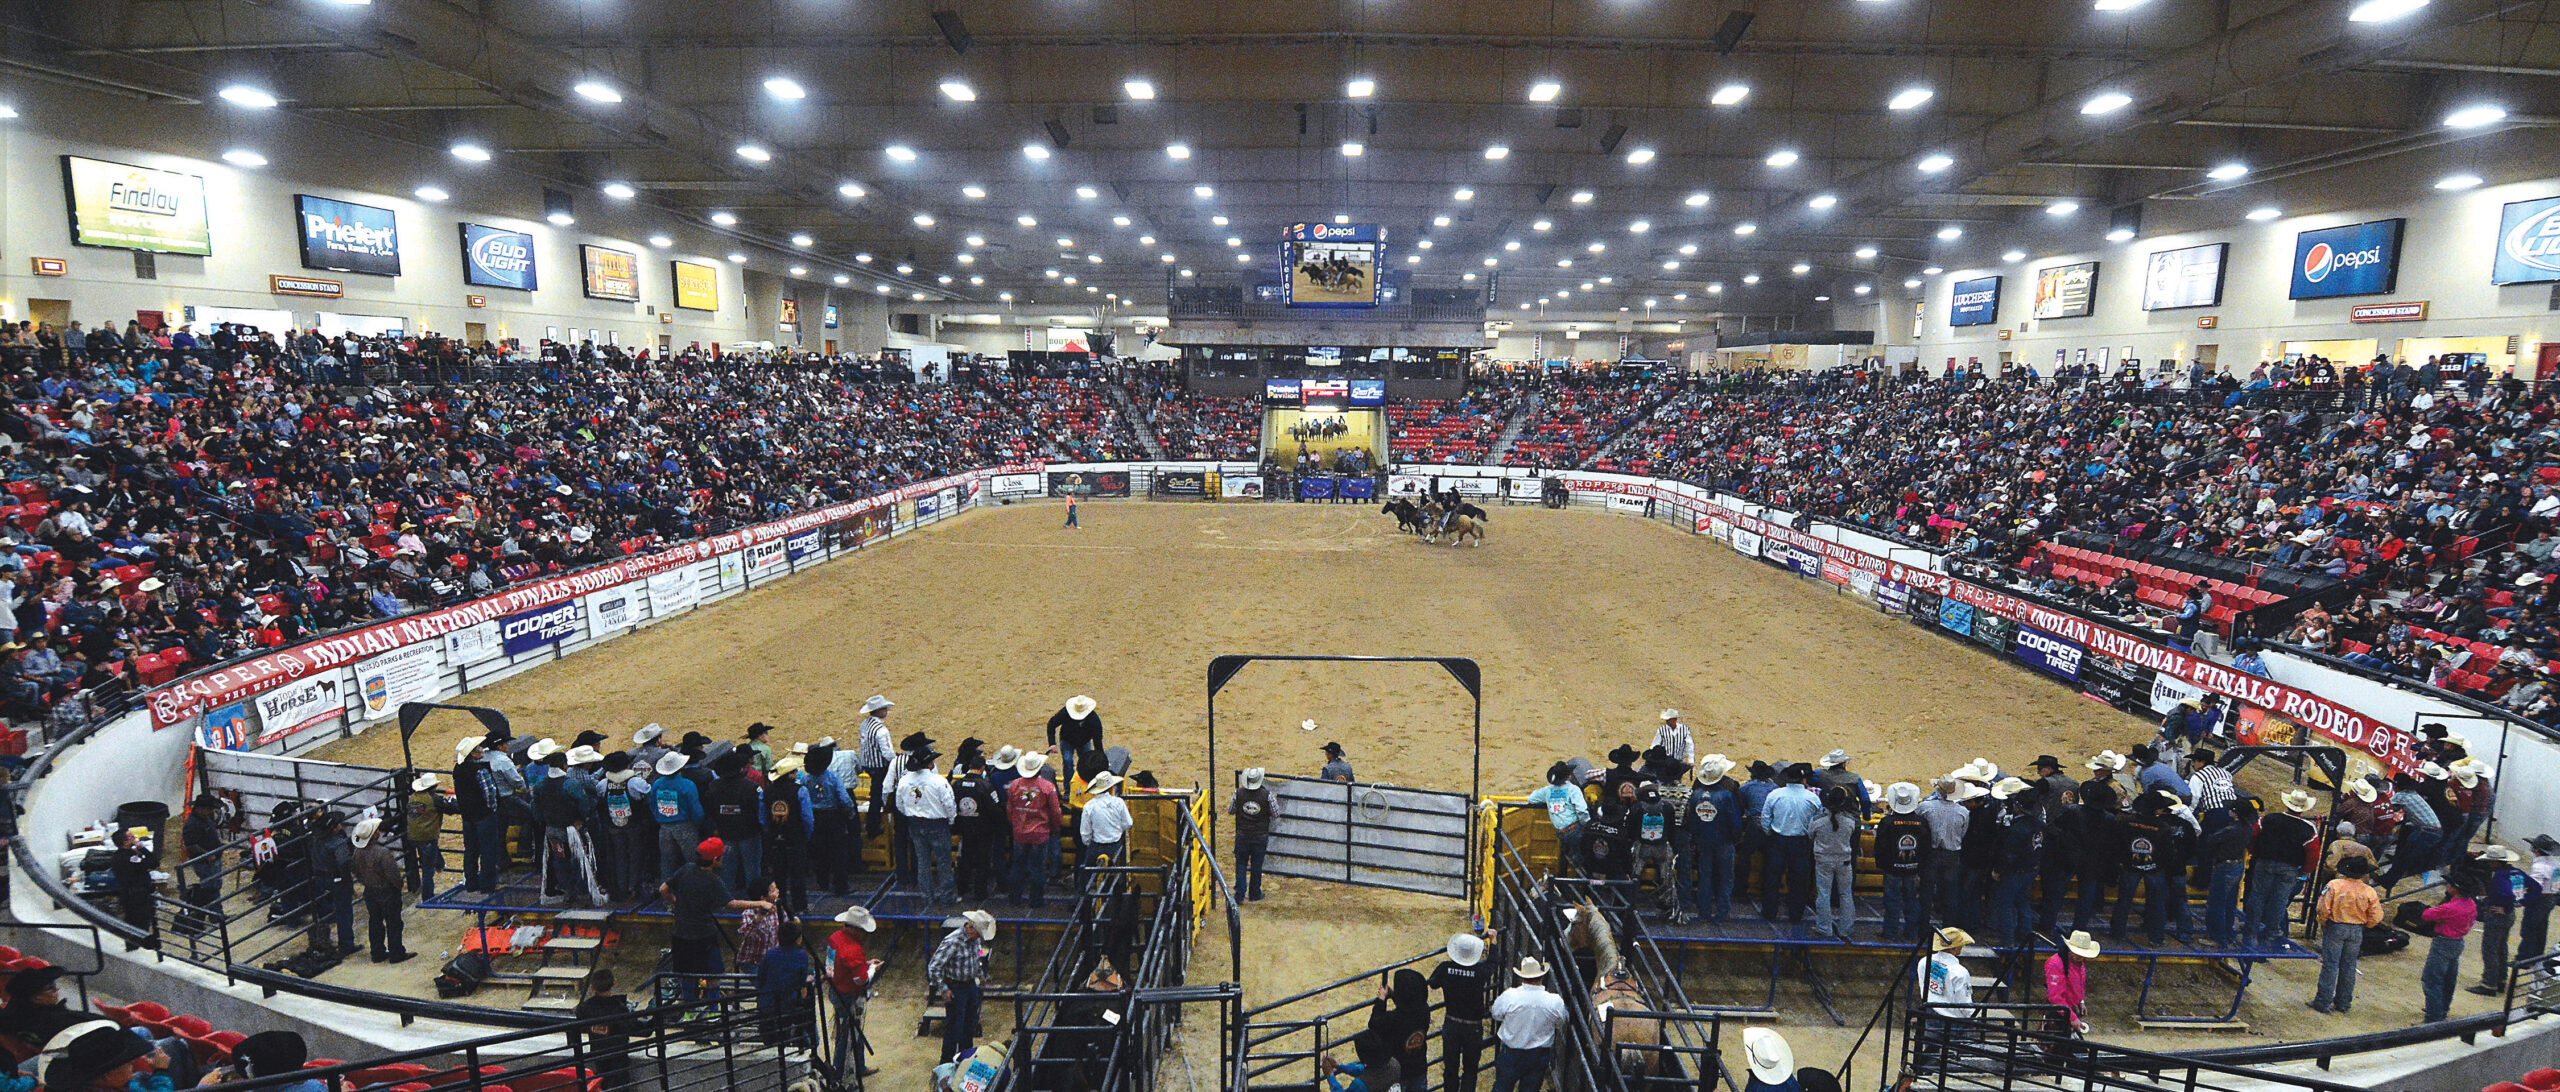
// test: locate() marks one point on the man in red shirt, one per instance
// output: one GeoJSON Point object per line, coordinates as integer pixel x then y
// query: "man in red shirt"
{"type": "Point", "coordinates": [1031, 807]}
{"type": "Point", "coordinates": [849, 973]}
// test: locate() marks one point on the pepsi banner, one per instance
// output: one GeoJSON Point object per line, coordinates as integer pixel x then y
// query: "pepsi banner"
{"type": "Point", "coordinates": [497, 258]}
{"type": "Point", "coordinates": [2048, 653]}
{"type": "Point", "coordinates": [347, 238]}
{"type": "Point", "coordinates": [2528, 243]}
{"type": "Point", "coordinates": [1976, 302]}
{"type": "Point", "coordinates": [1368, 392]}
{"type": "Point", "coordinates": [2355, 260]}
{"type": "Point", "coordinates": [522, 633]}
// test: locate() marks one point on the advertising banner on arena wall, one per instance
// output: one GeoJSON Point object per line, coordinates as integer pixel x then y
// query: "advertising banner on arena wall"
{"type": "Point", "coordinates": [347, 237]}
{"type": "Point", "coordinates": [674, 593]}
{"type": "Point", "coordinates": [2355, 260]}
{"type": "Point", "coordinates": [1525, 489]}
{"type": "Point", "coordinates": [401, 675]}
{"type": "Point", "coordinates": [522, 633]}
{"type": "Point", "coordinates": [803, 546]}
{"type": "Point", "coordinates": [472, 644]}
{"type": "Point", "coordinates": [1359, 488]}
{"type": "Point", "coordinates": [498, 258]}
{"type": "Point", "coordinates": [1315, 488]}
{"type": "Point", "coordinates": [697, 286]}
{"type": "Point", "coordinates": [2528, 243]}
{"type": "Point", "coordinates": [1368, 392]}
{"type": "Point", "coordinates": [1746, 543]}
{"type": "Point", "coordinates": [949, 500]}
{"type": "Point", "coordinates": [1240, 486]}
{"type": "Point", "coordinates": [1407, 485]}
{"type": "Point", "coordinates": [135, 208]}
{"type": "Point", "coordinates": [1893, 595]}
{"type": "Point", "coordinates": [2168, 694]}
{"type": "Point", "coordinates": [2186, 277]}
{"type": "Point", "coordinates": [2114, 681]}
{"type": "Point", "coordinates": [1621, 503]}
{"type": "Point", "coordinates": [927, 507]}
{"type": "Point", "coordinates": [298, 705]}
{"type": "Point", "coordinates": [765, 559]}
{"type": "Point", "coordinates": [1992, 631]}
{"type": "Point", "coordinates": [609, 274]}
{"type": "Point", "coordinates": [2048, 653]}
{"type": "Point", "coordinates": [1475, 488]}
{"type": "Point", "coordinates": [1183, 483]}
{"type": "Point", "coordinates": [1015, 485]}
{"type": "Point", "coordinates": [733, 567]}
{"type": "Point", "coordinates": [227, 728]}
{"type": "Point", "coordinates": [1088, 483]}
{"type": "Point", "coordinates": [611, 612]}
{"type": "Point", "coordinates": [1976, 302]}
{"type": "Point", "coordinates": [1956, 618]}
{"type": "Point", "coordinates": [1924, 607]}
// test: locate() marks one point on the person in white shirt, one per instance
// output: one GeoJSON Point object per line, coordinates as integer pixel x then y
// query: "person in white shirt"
{"type": "Point", "coordinates": [1103, 823]}
{"type": "Point", "coordinates": [2533, 938]}
{"type": "Point", "coordinates": [1945, 989]}
{"type": "Point", "coordinates": [925, 809]}
{"type": "Point", "coordinates": [1673, 738]}
{"type": "Point", "coordinates": [1525, 1020]}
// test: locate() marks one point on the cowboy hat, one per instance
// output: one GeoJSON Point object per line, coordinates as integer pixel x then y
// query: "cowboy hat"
{"type": "Point", "coordinates": [982, 921]}
{"type": "Point", "coordinates": [1903, 798]}
{"type": "Point", "coordinates": [587, 738]}
{"type": "Point", "coordinates": [2081, 944]}
{"type": "Point", "coordinates": [1332, 748]}
{"type": "Point", "coordinates": [425, 782]}
{"type": "Point", "coordinates": [1714, 767]}
{"type": "Point", "coordinates": [542, 748]}
{"type": "Point", "coordinates": [1307, 725]}
{"type": "Point", "coordinates": [2363, 790]}
{"type": "Point", "coordinates": [2431, 770]}
{"type": "Point", "coordinates": [1623, 753]}
{"type": "Point", "coordinates": [152, 584]}
{"type": "Point", "coordinates": [1950, 938]}
{"type": "Point", "coordinates": [2468, 772]}
{"type": "Point", "coordinates": [1670, 714]}
{"type": "Point", "coordinates": [362, 836]}
{"type": "Point", "coordinates": [585, 756]}
{"type": "Point", "coordinates": [2500, 854]}
{"type": "Point", "coordinates": [1529, 969]}
{"type": "Point", "coordinates": [1031, 763]}
{"type": "Point", "coordinates": [1102, 783]}
{"type": "Point", "coordinates": [1466, 949]}
{"type": "Point", "coordinates": [672, 761]}
{"type": "Point", "coordinates": [1005, 757]}
{"type": "Point", "coordinates": [1772, 1061]}
{"type": "Point", "coordinates": [1979, 769]}
{"type": "Point", "coordinates": [1967, 790]}
{"type": "Point", "coordinates": [2543, 843]}
{"type": "Point", "coordinates": [646, 734]}
{"type": "Point", "coordinates": [1252, 777]}
{"type": "Point", "coordinates": [2008, 787]}
{"type": "Point", "coordinates": [1837, 757]}
{"type": "Point", "coordinates": [93, 1056]}
{"type": "Point", "coordinates": [463, 747]}
{"type": "Point", "coordinates": [2298, 801]}
{"type": "Point", "coordinates": [915, 741]}
{"type": "Point", "coordinates": [2047, 761]}
{"type": "Point", "coordinates": [790, 764]}
{"type": "Point", "coordinates": [271, 1052]}
{"type": "Point", "coordinates": [876, 703]}
{"type": "Point", "coordinates": [2106, 760]}
{"type": "Point", "coordinates": [858, 918]}
{"type": "Point", "coordinates": [1080, 706]}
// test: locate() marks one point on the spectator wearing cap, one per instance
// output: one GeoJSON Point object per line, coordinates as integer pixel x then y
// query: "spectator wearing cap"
{"type": "Point", "coordinates": [2347, 907]}
{"type": "Point", "coordinates": [1465, 981]}
{"type": "Point", "coordinates": [377, 871]}
{"type": "Point", "coordinates": [1033, 812]}
{"type": "Point", "coordinates": [1254, 807]}
{"type": "Point", "coordinates": [1942, 876]}
{"type": "Point", "coordinates": [957, 973]}
{"type": "Point", "coordinates": [1102, 825]}
{"type": "Point", "coordinates": [694, 897]}
{"type": "Point", "coordinates": [2277, 856]}
{"type": "Point", "coordinates": [1525, 1019]}
{"type": "Point", "coordinates": [2504, 892]}
{"type": "Point", "coordinates": [1336, 767]}
{"type": "Point", "coordinates": [36, 1011]}
{"type": "Point", "coordinates": [1788, 817]}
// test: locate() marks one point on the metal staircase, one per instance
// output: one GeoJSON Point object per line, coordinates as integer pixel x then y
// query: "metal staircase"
{"type": "Point", "coordinates": [1137, 422]}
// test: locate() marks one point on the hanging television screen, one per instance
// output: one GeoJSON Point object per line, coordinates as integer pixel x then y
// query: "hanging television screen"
{"type": "Point", "coordinates": [610, 274]}
{"type": "Point", "coordinates": [497, 258]}
{"type": "Point", "coordinates": [1976, 302]}
{"type": "Point", "coordinates": [135, 208]}
{"type": "Point", "coordinates": [2355, 260]}
{"type": "Point", "coordinates": [346, 237]}
{"type": "Point", "coordinates": [2528, 243]}
{"type": "Point", "coordinates": [2186, 277]}
{"type": "Point", "coordinates": [2067, 291]}
{"type": "Point", "coordinates": [697, 286]}
{"type": "Point", "coordinates": [1331, 265]}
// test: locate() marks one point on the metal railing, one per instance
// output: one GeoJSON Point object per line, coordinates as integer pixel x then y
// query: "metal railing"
{"type": "Point", "coordinates": [2016, 1050]}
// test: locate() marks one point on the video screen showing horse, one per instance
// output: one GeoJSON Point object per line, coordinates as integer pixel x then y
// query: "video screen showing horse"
{"type": "Point", "coordinates": [1333, 274]}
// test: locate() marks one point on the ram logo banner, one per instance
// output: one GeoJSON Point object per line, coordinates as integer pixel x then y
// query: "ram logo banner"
{"type": "Point", "coordinates": [2528, 243]}
{"type": "Point", "coordinates": [347, 237]}
{"type": "Point", "coordinates": [1977, 302]}
{"type": "Point", "coordinates": [2355, 260]}
{"type": "Point", "coordinates": [522, 633]}
{"type": "Point", "coordinates": [497, 258]}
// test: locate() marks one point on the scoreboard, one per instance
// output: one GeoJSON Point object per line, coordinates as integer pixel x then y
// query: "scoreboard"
{"type": "Point", "coordinates": [1332, 265]}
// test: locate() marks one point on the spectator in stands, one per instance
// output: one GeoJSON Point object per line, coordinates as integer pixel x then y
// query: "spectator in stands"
{"type": "Point", "coordinates": [1254, 808]}
{"type": "Point", "coordinates": [36, 1011]}
{"type": "Point", "coordinates": [104, 1060]}
{"type": "Point", "coordinates": [1033, 812]}
{"type": "Point", "coordinates": [694, 895]}
{"type": "Point", "coordinates": [2450, 921]}
{"type": "Point", "coordinates": [2066, 981]}
{"type": "Point", "coordinates": [677, 803]}
{"type": "Point", "coordinates": [849, 973]}
{"type": "Point", "coordinates": [956, 974]}
{"type": "Point", "coordinates": [378, 871]}
{"type": "Point", "coordinates": [272, 1054]}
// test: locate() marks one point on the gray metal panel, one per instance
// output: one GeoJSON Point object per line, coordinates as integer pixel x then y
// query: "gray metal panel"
{"type": "Point", "coordinates": [1373, 835]}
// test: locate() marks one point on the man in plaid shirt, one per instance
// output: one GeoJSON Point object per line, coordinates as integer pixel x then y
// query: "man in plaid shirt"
{"type": "Point", "coordinates": [958, 971]}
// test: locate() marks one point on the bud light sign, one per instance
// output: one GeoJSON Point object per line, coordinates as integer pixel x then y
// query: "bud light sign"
{"type": "Point", "coordinates": [497, 258]}
{"type": "Point", "coordinates": [2355, 260]}
{"type": "Point", "coordinates": [1976, 303]}
{"type": "Point", "coordinates": [2528, 243]}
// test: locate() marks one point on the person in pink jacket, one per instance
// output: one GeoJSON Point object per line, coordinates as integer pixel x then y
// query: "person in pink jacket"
{"type": "Point", "coordinates": [2066, 978]}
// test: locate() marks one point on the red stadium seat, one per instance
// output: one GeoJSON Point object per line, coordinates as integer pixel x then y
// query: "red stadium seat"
{"type": "Point", "coordinates": [2542, 1080]}
{"type": "Point", "coordinates": [190, 1026]}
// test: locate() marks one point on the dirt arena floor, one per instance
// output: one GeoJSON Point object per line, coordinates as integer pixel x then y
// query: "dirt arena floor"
{"type": "Point", "coordinates": [1586, 625]}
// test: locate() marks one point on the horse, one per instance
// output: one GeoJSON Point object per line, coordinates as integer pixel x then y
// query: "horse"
{"type": "Point", "coordinates": [1457, 531]}
{"type": "Point", "coordinates": [1409, 517]}
{"type": "Point", "coordinates": [1637, 1038]}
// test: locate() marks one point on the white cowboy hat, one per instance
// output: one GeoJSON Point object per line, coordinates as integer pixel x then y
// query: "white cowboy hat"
{"type": "Point", "coordinates": [2298, 801]}
{"type": "Point", "coordinates": [1950, 939]}
{"type": "Point", "coordinates": [2468, 772]}
{"type": "Point", "coordinates": [642, 737]}
{"type": "Point", "coordinates": [1530, 969]}
{"type": "Point", "coordinates": [1081, 706]}
{"type": "Point", "coordinates": [984, 922]}
{"type": "Point", "coordinates": [1005, 757]}
{"type": "Point", "coordinates": [2106, 760]}
{"type": "Point", "coordinates": [1670, 714]}
{"type": "Point", "coordinates": [2430, 769]}
{"type": "Point", "coordinates": [463, 747]}
{"type": "Point", "coordinates": [876, 703]}
{"type": "Point", "coordinates": [2008, 787]}
{"type": "Point", "coordinates": [585, 756]}
{"type": "Point", "coordinates": [1307, 725]}
{"type": "Point", "coordinates": [1967, 790]}
{"type": "Point", "coordinates": [672, 761]}
{"type": "Point", "coordinates": [1979, 770]}
{"type": "Point", "coordinates": [1102, 783]}
{"type": "Point", "coordinates": [1903, 798]}
{"type": "Point", "coordinates": [2363, 790]}
{"type": "Point", "coordinates": [858, 918]}
{"type": "Point", "coordinates": [423, 783]}
{"type": "Point", "coordinates": [2081, 944]}
{"type": "Point", "coordinates": [1712, 767]}
{"type": "Point", "coordinates": [1772, 1061]}
{"type": "Point", "coordinates": [542, 748]}
{"type": "Point", "coordinates": [1253, 776]}
{"type": "Point", "coordinates": [1466, 949]}
{"type": "Point", "coordinates": [366, 827]}
{"type": "Point", "coordinates": [2500, 854]}
{"type": "Point", "coordinates": [1837, 757]}
{"type": "Point", "coordinates": [1030, 763]}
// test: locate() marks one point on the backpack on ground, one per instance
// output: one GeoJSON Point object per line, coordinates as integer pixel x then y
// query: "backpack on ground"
{"type": "Point", "coordinates": [462, 975]}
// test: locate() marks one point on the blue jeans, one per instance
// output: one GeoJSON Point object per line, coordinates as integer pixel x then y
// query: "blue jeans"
{"type": "Point", "coordinates": [484, 849]}
{"type": "Point", "coordinates": [1030, 879]}
{"type": "Point", "coordinates": [2444, 965]}
{"type": "Point", "coordinates": [1524, 1070]}
{"type": "Point", "coordinates": [2222, 903]}
{"type": "Point", "coordinates": [958, 1015]}
{"type": "Point", "coordinates": [2093, 897]}
{"type": "Point", "coordinates": [676, 842]}
{"type": "Point", "coordinates": [2154, 887]}
{"type": "Point", "coordinates": [743, 867]}
{"type": "Point", "coordinates": [2340, 945]}
{"type": "Point", "coordinates": [1941, 888]}
{"type": "Point", "coordinates": [1715, 881]}
{"type": "Point", "coordinates": [1249, 857]}
{"type": "Point", "coordinates": [930, 841]}
{"type": "Point", "coordinates": [2013, 905]}
{"type": "Point", "coordinates": [1903, 914]}
{"type": "Point", "coordinates": [2271, 889]}
{"type": "Point", "coordinates": [1835, 904]}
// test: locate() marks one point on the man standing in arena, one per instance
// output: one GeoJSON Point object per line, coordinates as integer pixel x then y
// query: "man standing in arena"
{"type": "Point", "coordinates": [1526, 1017]}
{"type": "Point", "coordinates": [1901, 854]}
{"type": "Point", "coordinates": [2276, 857]}
{"type": "Point", "coordinates": [1336, 767]}
{"type": "Point", "coordinates": [834, 838]}
{"type": "Point", "coordinates": [1102, 825]}
{"type": "Point", "coordinates": [735, 806]}
{"type": "Point", "coordinates": [378, 872]}
{"type": "Point", "coordinates": [1712, 822]}
{"type": "Point", "coordinates": [677, 803]}
{"type": "Point", "coordinates": [872, 756]}
{"type": "Point", "coordinates": [979, 822]}
{"type": "Point", "coordinates": [1075, 729]}
{"type": "Point", "coordinates": [484, 831]}
{"type": "Point", "coordinates": [1465, 982]}
{"type": "Point", "coordinates": [693, 896]}
{"type": "Point", "coordinates": [1032, 811]}
{"type": "Point", "coordinates": [1788, 817]}
{"type": "Point", "coordinates": [1942, 875]}
{"type": "Point", "coordinates": [1254, 807]}
{"type": "Point", "coordinates": [925, 809]}
{"type": "Point", "coordinates": [1673, 739]}
{"type": "Point", "coordinates": [957, 972]}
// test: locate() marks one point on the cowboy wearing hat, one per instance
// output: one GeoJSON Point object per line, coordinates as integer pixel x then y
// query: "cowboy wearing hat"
{"type": "Point", "coordinates": [422, 828]}
{"type": "Point", "coordinates": [479, 795]}
{"type": "Point", "coordinates": [835, 837]}
{"type": "Point", "coordinates": [957, 972]}
{"type": "Point", "coordinates": [377, 871]}
{"type": "Point", "coordinates": [1336, 767]}
{"type": "Point", "coordinates": [1254, 807]}
{"type": "Point", "coordinates": [1673, 739]}
{"type": "Point", "coordinates": [1074, 729]}
{"type": "Point", "coordinates": [926, 808]}
{"type": "Point", "coordinates": [2066, 978]}
{"type": "Point", "coordinates": [849, 975]}
{"type": "Point", "coordinates": [1102, 825]}
{"type": "Point", "coordinates": [2348, 906]}
{"type": "Point", "coordinates": [1770, 1062]}
{"type": "Point", "coordinates": [1710, 826]}
{"type": "Point", "coordinates": [676, 803]}
{"type": "Point", "coordinates": [2277, 853]}
{"type": "Point", "coordinates": [2507, 890]}
{"type": "Point", "coordinates": [874, 756]}
{"type": "Point", "coordinates": [1525, 1018]}
{"type": "Point", "coordinates": [1942, 890]}
{"type": "Point", "coordinates": [1033, 811]}
{"type": "Point", "coordinates": [1465, 981]}
{"type": "Point", "coordinates": [2544, 870]}
{"type": "Point", "coordinates": [105, 1059]}
{"type": "Point", "coordinates": [1946, 987]}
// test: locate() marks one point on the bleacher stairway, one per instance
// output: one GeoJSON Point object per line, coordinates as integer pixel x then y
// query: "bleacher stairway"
{"type": "Point", "coordinates": [1511, 429]}
{"type": "Point", "coordinates": [1137, 422]}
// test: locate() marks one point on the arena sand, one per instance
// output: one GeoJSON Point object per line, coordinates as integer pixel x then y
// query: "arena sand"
{"type": "Point", "coordinates": [1586, 624]}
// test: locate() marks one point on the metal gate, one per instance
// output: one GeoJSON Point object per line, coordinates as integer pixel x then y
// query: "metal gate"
{"type": "Point", "coordinates": [1371, 835]}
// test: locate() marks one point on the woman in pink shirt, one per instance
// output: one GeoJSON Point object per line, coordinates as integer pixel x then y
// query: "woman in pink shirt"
{"type": "Point", "coordinates": [2066, 979]}
{"type": "Point", "coordinates": [2452, 920]}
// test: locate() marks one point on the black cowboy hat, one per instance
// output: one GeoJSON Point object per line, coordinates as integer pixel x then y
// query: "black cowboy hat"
{"type": "Point", "coordinates": [93, 1056]}
{"type": "Point", "coordinates": [758, 729]}
{"type": "Point", "coordinates": [26, 984]}
{"type": "Point", "coordinates": [1623, 755]}
{"type": "Point", "coordinates": [692, 740]}
{"type": "Point", "coordinates": [1334, 749]}
{"type": "Point", "coordinates": [587, 739]}
{"type": "Point", "coordinates": [271, 1052]}
{"type": "Point", "coordinates": [916, 741]}
{"type": "Point", "coordinates": [2048, 761]}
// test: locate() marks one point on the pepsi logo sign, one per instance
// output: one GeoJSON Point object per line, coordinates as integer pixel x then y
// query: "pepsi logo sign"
{"type": "Point", "coordinates": [2324, 259]}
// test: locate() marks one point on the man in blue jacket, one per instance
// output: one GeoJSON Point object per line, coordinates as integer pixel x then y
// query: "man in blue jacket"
{"type": "Point", "coordinates": [677, 803]}
{"type": "Point", "coordinates": [1709, 827]}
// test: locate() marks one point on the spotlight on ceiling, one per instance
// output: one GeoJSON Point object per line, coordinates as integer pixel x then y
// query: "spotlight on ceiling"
{"type": "Point", "coordinates": [786, 89]}
{"type": "Point", "coordinates": [243, 95]}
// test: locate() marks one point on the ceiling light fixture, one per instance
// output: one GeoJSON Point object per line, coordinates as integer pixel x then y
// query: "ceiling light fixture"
{"type": "Point", "coordinates": [900, 152]}
{"type": "Point", "coordinates": [1203, 191]}
{"type": "Point", "coordinates": [2106, 102]}
{"type": "Point", "coordinates": [1639, 227]}
{"type": "Point", "coordinates": [924, 219]}
{"type": "Point", "coordinates": [431, 193]}
{"type": "Point", "coordinates": [1950, 233]}
{"type": "Point", "coordinates": [1730, 94]}
{"type": "Point", "coordinates": [1120, 221]}
{"type": "Point", "coordinates": [1177, 151]}
{"type": "Point", "coordinates": [1543, 225]}
{"type": "Point", "coordinates": [1464, 194]}
{"type": "Point", "coordinates": [2457, 181]}
{"type": "Point", "coordinates": [2227, 172]}
{"type": "Point", "coordinates": [1545, 91]}
{"type": "Point", "coordinates": [754, 153]}
{"type": "Point", "coordinates": [799, 271]}
{"type": "Point", "coordinates": [1783, 157]}
{"type": "Point", "coordinates": [958, 91]}
{"type": "Point", "coordinates": [1087, 193]}
{"type": "Point", "coordinates": [1750, 278]}
{"type": "Point", "coordinates": [1352, 149]}
{"type": "Point", "coordinates": [725, 218]}
{"type": "Point", "coordinates": [2014, 256]}
{"type": "Point", "coordinates": [470, 153]}
{"type": "Point", "coordinates": [851, 192]}
{"type": "Point", "coordinates": [1822, 200]}
{"type": "Point", "coordinates": [2268, 212]}
{"type": "Point", "coordinates": [243, 157]}
{"type": "Point", "coordinates": [1866, 252]}
{"type": "Point", "coordinates": [1745, 228]}
{"type": "Point", "coordinates": [1909, 98]}
{"type": "Point", "coordinates": [1220, 220]}
{"type": "Point", "coordinates": [2120, 235]}
{"type": "Point", "coordinates": [741, 259]}
{"type": "Point", "coordinates": [974, 193]}
{"type": "Point", "coordinates": [1935, 163]}
{"type": "Point", "coordinates": [1360, 88]}
{"type": "Point", "coordinates": [243, 95]}
{"type": "Point", "coordinates": [1138, 90]}
{"type": "Point", "coordinates": [2062, 208]}
{"type": "Point", "coordinates": [1582, 197]}
{"type": "Point", "coordinates": [1035, 151]}
{"type": "Point", "coordinates": [1511, 244]}
{"type": "Point", "coordinates": [803, 241]}
{"type": "Point", "coordinates": [1933, 271]}
{"type": "Point", "coordinates": [1496, 151]}
{"type": "Point", "coordinates": [842, 279]}
{"type": "Point", "coordinates": [785, 89]}
{"type": "Point", "coordinates": [1440, 221]}
{"type": "Point", "coordinates": [1639, 157]}
{"type": "Point", "coordinates": [620, 191]}
{"type": "Point", "coordinates": [2473, 117]}
{"type": "Point", "coordinates": [1687, 249]}
{"type": "Point", "coordinates": [2384, 11]}
{"type": "Point", "coordinates": [590, 90]}
{"type": "Point", "coordinates": [1695, 200]}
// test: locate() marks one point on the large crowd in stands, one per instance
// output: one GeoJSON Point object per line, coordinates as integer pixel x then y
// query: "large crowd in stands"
{"type": "Point", "coordinates": [1189, 426]}
{"type": "Point", "coordinates": [1459, 430]}
{"type": "Point", "coordinates": [1574, 418]}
